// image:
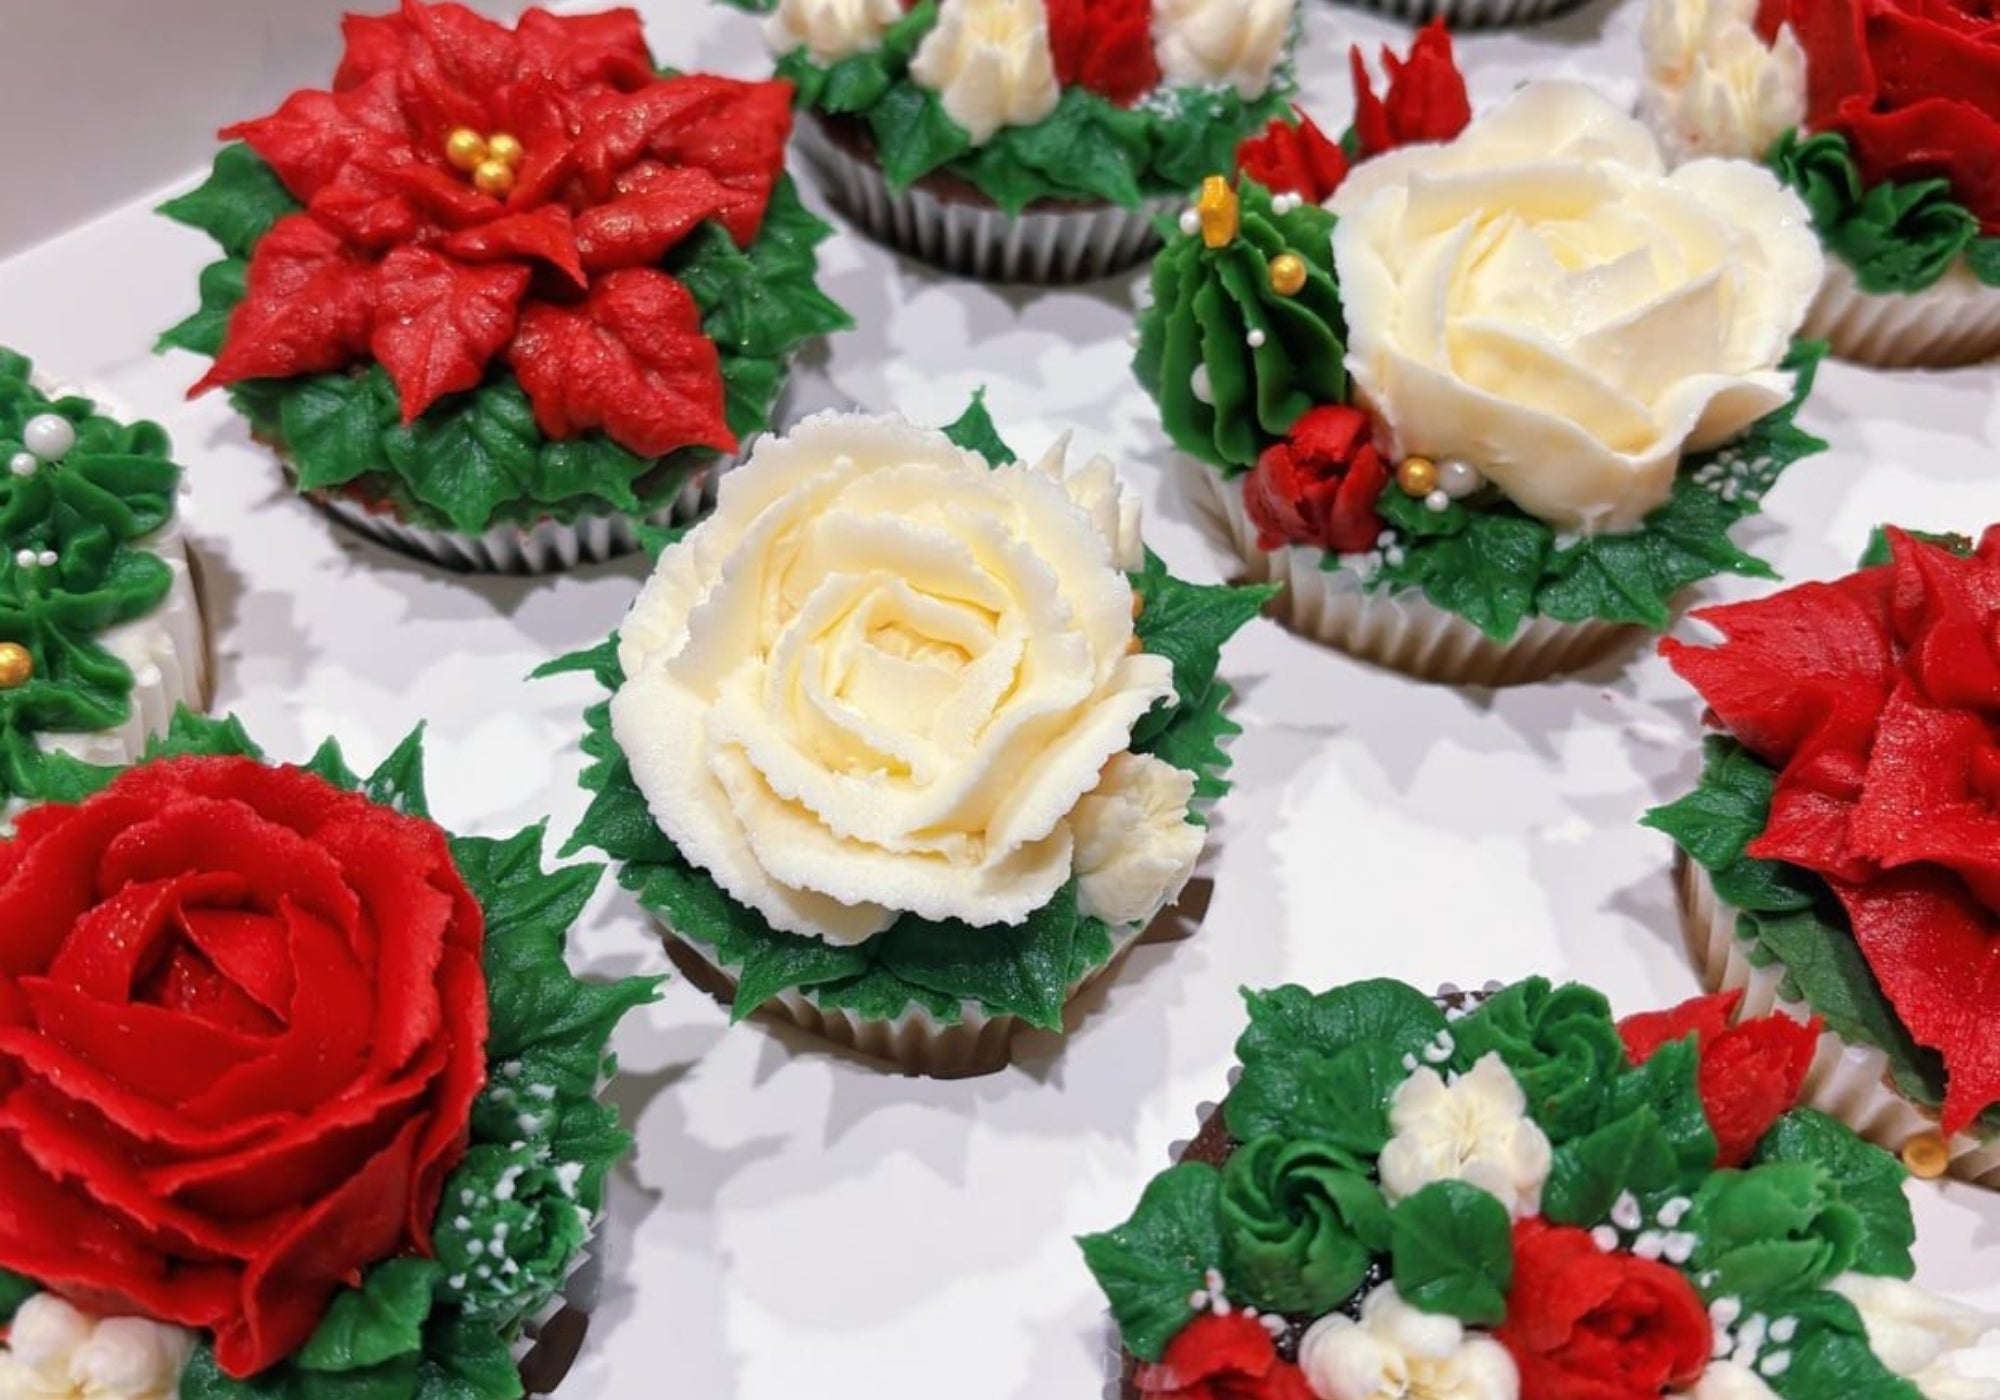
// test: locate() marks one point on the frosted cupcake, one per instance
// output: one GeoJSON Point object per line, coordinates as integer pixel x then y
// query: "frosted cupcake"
{"type": "Point", "coordinates": [1884, 116]}
{"type": "Point", "coordinates": [907, 742]}
{"type": "Point", "coordinates": [500, 295]}
{"type": "Point", "coordinates": [1020, 141]}
{"type": "Point", "coordinates": [301, 1097]}
{"type": "Point", "coordinates": [101, 633]}
{"type": "Point", "coordinates": [1519, 1197]}
{"type": "Point", "coordinates": [1839, 852]}
{"type": "Point", "coordinates": [1497, 405]}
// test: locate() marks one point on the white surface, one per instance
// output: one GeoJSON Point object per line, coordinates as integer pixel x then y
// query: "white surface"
{"type": "Point", "coordinates": [798, 1224]}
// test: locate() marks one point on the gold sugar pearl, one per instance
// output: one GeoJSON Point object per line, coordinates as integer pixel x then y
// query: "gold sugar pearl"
{"type": "Point", "coordinates": [1220, 211]}
{"type": "Point", "coordinates": [16, 665]}
{"type": "Point", "coordinates": [1927, 1156]}
{"type": "Point", "coordinates": [465, 149]}
{"type": "Point", "coordinates": [505, 147]}
{"type": "Point", "coordinates": [1417, 476]}
{"type": "Point", "coordinates": [1288, 274]}
{"type": "Point", "coordinates": [493, 177]}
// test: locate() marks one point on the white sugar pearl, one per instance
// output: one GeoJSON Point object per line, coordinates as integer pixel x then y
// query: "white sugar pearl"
{"type": "Point", "coordinates": [24, 558]}
{"type": "Point", "coordinates": [1256, 339]}
{"type": "Point", "coordinates": [47, 558]}
{"type": "Point", "coordinates": [1199, 386]}
{"type": "Point", "coordinates": [1437, 502]}
{"type": "Point", "coordinates": [1190, 222]}
{"type": "Point", "coordinates": [1459, 479]}
{"type": "Point", "coordinates": [48, 436]}
{"type": "Point", "coordinates": [23, 463]}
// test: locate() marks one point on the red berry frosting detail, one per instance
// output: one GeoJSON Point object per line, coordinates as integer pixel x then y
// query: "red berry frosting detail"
{"type": "Point", "coordinates": [1295, 159]}
{"type": "Point", "coordinates": [242, 1024]}
{"type": "Point", "coordinates": [1223, 1357]}
{"type": "Point", "coordinates": [438, 273]}
{"type": "Point", "coordinates": [1914, 85]}
{"type": "Point", "coordinates": [1878, 700]}
{"type": "Point", "coordinates": [1751, 1073]}
{"type": "Point", "coordinates": [1105, 46]}
{"type": "Point", "coordinates": [1319, 486]}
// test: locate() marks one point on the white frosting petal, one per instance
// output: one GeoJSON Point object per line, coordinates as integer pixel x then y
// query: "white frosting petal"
{"type": "Point", "coordinates": [1541, 299]}
{"type": "Point", "coordinates": [1474, 1128]}
{"type": "Point", "coordinates": [1235, 42]}
{"type": "Point", "coordinates": [1713, 87]}
{"type": "Point", "coordinates": [830, 30]}
{"type": "Point", "coordinates": [1396, 1352]}
{"type": "Point", "coordinates": [884, 678]}
{"type": "Point", "coordinates": [1919, 1335]}
{"type": "Point", "coordinates": [990, 64]}
{"type": "Point", "coordinates": [1730, 1380]}
{"type": "Point", "coordinates": [56, 1352]}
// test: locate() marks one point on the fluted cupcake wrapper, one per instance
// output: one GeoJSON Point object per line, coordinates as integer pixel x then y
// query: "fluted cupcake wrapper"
{"type": "Point", "coordinates": [1469, 14]}
{"type": "Point", "coordinates": [1047, 245]}
{"type": "Point", "coordinates": [1955, 322]}
{"type": "Point", "coordinates": [1403, 631]}
{"type": "Point", "coordinates": [1848, 1080]}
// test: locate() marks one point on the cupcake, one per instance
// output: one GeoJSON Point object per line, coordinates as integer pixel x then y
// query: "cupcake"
{"type": "Point", "coordinates": [1496, 405]}
{"type": "Point", "coordinates": [101, 633]}
{"type": "Point", "coordinates": [1884, 116]}
{"type": "Point", "coordinates": [1839, 851]}
{"type": "Point", "coordinates": [503, 295]}
{"type": "Point", "coordinates": [1518, 1196]}
{"type": "Point", "coordinates": [907, 742]}
{"type": "Point", "coordinates": [1019, 141]}
{"type": "Point", "coordinates": [300, 1097]}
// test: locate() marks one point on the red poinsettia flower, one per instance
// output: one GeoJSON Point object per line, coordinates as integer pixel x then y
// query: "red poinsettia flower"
{"type": "Point", "coordinates": [1319, 485]}
{"type": "Point", "coordinates": [1222, 1357]}
{"type": "Point", "coordinates": [1878, 700]}
{"type": "Point", "coordinates": [542, 256]}
{"type": "Point", "coordinates": [1751, 1072]}
{"type": "Point", "coordinates": [1914, 85]}
{"type": "Point", "coordinates": [1105, 46]}
{"type": "Point", "coordinates": [1423, 100]}
{"type": "Point", "coordinates": [1294, 158]}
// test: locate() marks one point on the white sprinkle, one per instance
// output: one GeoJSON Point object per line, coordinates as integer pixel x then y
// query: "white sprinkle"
{"type": "Point", "coordinates": [1273, 1324]}
{"type": "Point", "coordinates": [48, 436]}
{"type": "Point", "coordinates": [1437, 503]}
{"type": "Point", "coordinates": [460, 1222]}
{"type": "Point", "coordinates": [1625, 1212]}
{"type": "Point", "coordinates": [1134, 336]}
{"type": "Point", "coordinates": [1213, 1279]}
{"type": "Point", "coordinates": [568, 1176]}
{"type": "Point", "coordinates": [509, 1267]}
{"type": "Point", "coordinates": [1256, 338]}
{"type": "Point", "coordinates": [24, 464]}
{"type": "Point", "coordinates": [1750, 1337]}
{"type": "Point", "coordinates": [1459, 479]}
{"type": "Point", "coordinates": [542, 1091]}
{"type": "Point", "coordinates": [1783, 1329]}
{"type": "Point", "coordinates": [484, 1271]}
{"type": "Point", "coordinates": [1190, 222]}
{"type": "Point", "coordinates": [47, 558]}
{"type": "Point", "coordinates": [456, 1280]}
{"type": "Point", "coordinates": [1410, 1063]}
{"type": "Point", "coordinates": [1605, 1238]}
{"type": "Point", "coordinates": [1393, 557]}
{"type": "Point", "coordinates": [1440, 1050]}
{"type": "Point", "coordinates": [1651, 1244]}
{"type": "Point", "coordinates": [1675, 1211]}
{"type": "Point", "coordinates": [1723, 1312]}
{"type": "Point", "coordinates": [1388, 537]}
{"type": "Point", "coordinates": [475, 1247]}
{"type": "Point", "coordinates": [1776, 1364]}
{"type": "Point", "coordinates": [1199, 386]}
{"type": "Point", "coordinates": [1680, 1247]}
{"type": "Point", "coordinates": [1198, 1300]}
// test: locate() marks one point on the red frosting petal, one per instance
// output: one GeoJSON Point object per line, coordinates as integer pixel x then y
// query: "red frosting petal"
{"type": "Point", "coordinates": [608, 47]}
{"type": "Point", "coordinates": [1751, 1076]}
{"type": "Point", "coordinates": [439, 322]}
{"type": "Point", "coordinates": [1294, 158]}
{"type": "Point", "coordinates": [307, 309]}
{"type": "Point", "coordinates": [1424, 99]}
{"type": "Point", "coordinates": [636, 230]}
{"type": "Point", "coordinates": [1105, 46]}
{"type": "Point", "coordinates": [547, 236]}
{"type": "Point", "coordinates": [314, 137]}
{"type": "Point", "coordinates": [1647, 1031]}
{"type": "Point", "coordinates": [1222, 1357]}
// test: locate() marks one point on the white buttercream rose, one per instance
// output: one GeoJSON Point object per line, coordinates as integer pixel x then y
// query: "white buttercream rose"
{"type": "Point", "coordinates": [1474, 1128]}
{"type": "Point", "coordinates": [1713, 86]}
{"type": "Point", "coordinates": [990, 64]}
{"type": "Point", "coordinates": [1135, 847]}
{"type": "Point", "coordinates": [1237, 42]}
{"type": "Point", "coordinates": [830, 30]}
{"type": "Point", "coordinates": [1919, 1336]}
{"type": "Point", "coordinates": [1396, 1352]}
{"type": "Point", "coordinates": [1539, 298]}
{"type": "Point", "coordinates": [883, 677]}
{"type": "Point", "coordinates": [55, 1352]}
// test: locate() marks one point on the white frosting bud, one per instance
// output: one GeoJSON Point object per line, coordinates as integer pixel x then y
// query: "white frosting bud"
{"type": "Point", "coordinates": [1919, 1335]}
{"type": "Point", "coordinates": [1474, 1129]}
{"type": "Point", "coordinates": [1396, 1352]}
{"type": "Point", "coordinates": [56, 1352]}
{"type": "Point", "coordinates": [830, 29]}
{"type": "Point", "coordinates": [990, 64]}
{"type": "Point", "coordinates": [1237, 42]}
{"type": "Point", "coordinates": [1713, 87]}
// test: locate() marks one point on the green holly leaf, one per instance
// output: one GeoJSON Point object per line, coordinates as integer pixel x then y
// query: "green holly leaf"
{"type": "Point", "coordinates": [238, 202]}
{"type": "Point", "coordinates": [1868, 1179]}
{"type": "Point", "coordinates": [854, 84]}
{"type": "Point", "coordinates": [1589, 1173]}
{"type": "Point", "coordinates": [1830, 1356]}
{"type": "Point", "coordinates": [880, 995]}
{"type": "Point", "coordinates": [975, 432]}
{"type": "Point", "coordinates": [1085, 148]}
{"type": "Point", "coordinates": [786, 962]}
{"type": "Point", "coordinates": [1188, 623]}
{"type": "Point", "coordinates": [914, 135]}
{"type": "Point", "coordinates": [1487, 572]}
{"type": "Point", "coordinates": [1982, 255]}
{"type": "Point", "coordinates": [203, 1379]}
{"type": "Point", "coordinates": [330, 765]}
{"type": "Point", "coordinates": [1149, 1266]}
{"type": "Point", "coordinates": [469, 454]}
{"type": "Point", "coordinates": [377, 1322]}
{"type": "Point", "coordinates": [1668, 1085]}
{"type": "Point", "coordinates": [1451, 1251]}
{"type": "Point", "coordinates": [223, 285]}
{"type": "Point", "coordinates": [398, 782]}
{"type": "Point", "coordinates": [1192, 739]}
{"type": "Point", "coordinates": [465, 1359]}
{"type": "Point", "coordinates": [1021, 971]}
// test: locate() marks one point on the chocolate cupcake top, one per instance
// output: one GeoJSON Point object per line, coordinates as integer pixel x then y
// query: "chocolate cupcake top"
{"type": "Point", "coordinates": [1520, 1197]}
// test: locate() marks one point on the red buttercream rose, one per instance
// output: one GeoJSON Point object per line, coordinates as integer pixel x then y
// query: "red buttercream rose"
{"type": "Point", "coordinates": [1751, 1072]}
{"type": "Point", "coordinates": [1914, 85]}
{"type": "Point", "coordinates": [1424, 98]}
{"type": "Point", "coordinates": [1319, 486]}
{"type": "Point", "coordinates": [1294, 158]}
{"type": "Point", "coordinates": [1878, 700]}
{"type": "Point", "coordinates": [1583, 1324]}
{"type": "Point", "coordinates": [242, 1024]}
{"type": "Point", "coordinates": [398, 258]}
{"type": "Point", "coordinates": [1227, 1357]}
{"type": "Point", "coordinates": [1105, 46]}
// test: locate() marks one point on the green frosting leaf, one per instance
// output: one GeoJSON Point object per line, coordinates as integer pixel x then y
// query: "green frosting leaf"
{"type": "Point", "coordinates": [1590, 1173]}
{"type": "Point", "coordinates": [1772, 1229]}
{"type": "Point", "coordinates": [975, 432]}
{"type": "Point", "coordinates": [914, 135]}
{"type": "Point", "coordinates": [1085, 149]}
{"type": "Point", "coordinates": [1206, 302]}
{"type": "Point", "coordinates": [476, 459]}
{"type": "Point", "coordinates": [1301, 1222]}
{"type": "Point", "coordinates": [1982, 255]}
{"type": "Point", "coordinates": [395, 1379]}
{"type": "Point", "coordinates": [1325, 1066]}
{"type": "Point", "coordinates": [507, 1206]}
{"type": "Point", "coordinates": [1669, 1084]}
{"type": "Point", "coordinates": [1452, 1251]}
{"type": "Point", "coordinates": [465, 1359]}
{"type": "Point", "coordinates": [1829, 1356]}
{"type": "Point", "coordinates": [1870, 1181]}
{"type": "Point", "coordinates": [14, 1291]}
{"type": "Point", "coordinates": [380, 1321]}
{"type": "Point", "coordinates": [1561, 1044]}
{"type": "Point", "coordinates": [1150, 1265]}
{"type": "Point", "coordinates": [1897, 237]}
{"type": "Point", "coordinates": [1188, 623]}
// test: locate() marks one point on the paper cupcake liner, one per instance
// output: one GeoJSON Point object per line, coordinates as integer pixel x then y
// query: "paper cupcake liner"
{"type": "Point", "coordinates": [1469, 14]}
{"type": "Point", "coordinates": [1955, 322]}
{"type": "Point", "coordinates": [1848, 1080]}
{"type": "Point", "coordinates": [964, 233]}
{"type": "Point", "coordinates": [552, 1337]}
{"type": "Point", "coordinates": [1403, 631]}
{"type": "Point", "coordinates": [915, 1042]}
{"type": "Point", "coordinates": [547, 547]}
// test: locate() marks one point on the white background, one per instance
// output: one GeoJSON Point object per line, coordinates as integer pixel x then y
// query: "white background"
{"type": "Point", "coordinates": [795, 1223]}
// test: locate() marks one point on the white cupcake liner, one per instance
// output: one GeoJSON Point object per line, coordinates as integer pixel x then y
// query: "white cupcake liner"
{"type": "Point", "coordinates": [1403, 631]}
{"type": "Point", "coordinates": [1955, 322]}
{"type": "Point", "coordinates": [1051, 244]}
{"type": "Point", "coordinates": [916, 1041]}
{"type": "Point", "coordinates": [1469, 14]}
{"type": "Point", "coordinates": [1848, 1080]}
{"type": "Point", "coordinates": [547, 547]}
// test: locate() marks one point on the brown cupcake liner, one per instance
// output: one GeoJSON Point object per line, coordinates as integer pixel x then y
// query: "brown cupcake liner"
{"type": "Point", "coordinates": [1469, 14]}
{"type": "Point", "coordinates": [1955, 322]}
{"type": "Point", "coordinates": [1849, 1080]}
